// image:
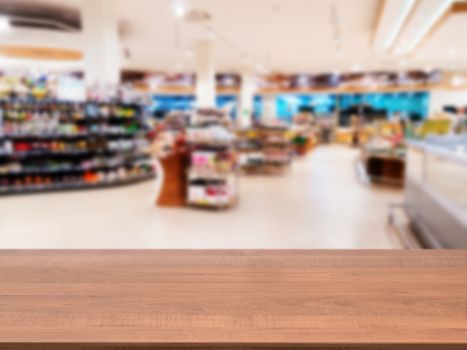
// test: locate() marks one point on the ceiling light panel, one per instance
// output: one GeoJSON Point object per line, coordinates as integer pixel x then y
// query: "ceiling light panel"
{"type": "Point", "coordinates": [393, 16]}
{"type": "Point", "coordinates": [423, 20]}
{"type": "Point", "coordinates": [5, 24]}
{"type": "Point", "coordinates": [178, 8]}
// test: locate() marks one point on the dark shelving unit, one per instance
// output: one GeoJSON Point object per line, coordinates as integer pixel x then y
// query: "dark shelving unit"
{"type": "Point", "coordinates": [53, 146]}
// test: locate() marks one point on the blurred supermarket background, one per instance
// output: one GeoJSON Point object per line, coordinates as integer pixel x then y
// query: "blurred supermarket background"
{"type": "Point", "coordinates": [233, 124]}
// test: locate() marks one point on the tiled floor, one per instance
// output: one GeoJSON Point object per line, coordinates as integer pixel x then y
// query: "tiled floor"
{"type": "Point", "coordinates": [319, 204]}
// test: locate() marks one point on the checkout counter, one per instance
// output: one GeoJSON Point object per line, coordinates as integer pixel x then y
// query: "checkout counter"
{"type": "Point", "coordinates": [436, 191]}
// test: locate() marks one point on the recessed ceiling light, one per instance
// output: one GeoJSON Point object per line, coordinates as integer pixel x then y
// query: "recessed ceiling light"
{"type": "Point", "coordinates": [356, 68]}
{"type": "Point", "coordinates": [178, 8]}
{"type": "Point", "coordinates": [399, 23]}
{"type": "Point", "coordinates": [429, 22]}
{"type": "Point", "coordinates": [457, 80]}
{"type": "Point", "coordinates": [452, 52]}
{"type": "Point", "coordinates": [5, 24]}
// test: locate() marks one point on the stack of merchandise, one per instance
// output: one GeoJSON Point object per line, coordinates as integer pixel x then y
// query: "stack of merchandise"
{"type": "Point", "coordinates": [212, 179]}
{"type": "Point", "coordinates": [276, 148]}
{"type": "Point", "coordinates": [303, 131]}
{"type": "Point", "coordinates": [169, 133]}
{"type": "Point", "coordinates": [52, 145]}
{"type": "Point", "coordinates": [265, 149]}
{"type": "Point", "coordinates": [387, 139]}
{"type": "Point", "coordinates": [436, 126]}
{"type": "Point", "coordinates": [30, 86]}
{"type": "Point", "coordinates": [250, 149]}
{"type": "Point", "coordinates": [383, 157]}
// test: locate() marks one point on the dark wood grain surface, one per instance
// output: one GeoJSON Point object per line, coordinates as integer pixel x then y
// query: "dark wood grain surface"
{"type": "Point", "coordinates": [328, 299]}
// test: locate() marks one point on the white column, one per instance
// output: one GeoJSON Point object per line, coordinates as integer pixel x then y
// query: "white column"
{"type": "Point", "coordinates": [269, 108]}
{"type": "Point", "coordinates": [247, 92]}
{"type": "Point", "coordinates": [205, 74]}
{"type": "Point", "coordinates": [101, 43]}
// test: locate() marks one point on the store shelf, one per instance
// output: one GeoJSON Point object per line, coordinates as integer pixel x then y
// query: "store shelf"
{"type": "Point", "coordinates": [68, 136]}
{"type": "Point", "coordinates": [208, 174]}
{"type": "Point", "coordinates": [42, 151]}
{"type": "Point", "coordinates": [213, 166]}
{"type": "Point", "coordinates": [212, 205]}
{"type": "Point", "coordinates": [64, 154]}
{"type": "Point", "coordinates": [74, 170]}
{"type": "Point", "coordinates": [100, 120]}
{"type": "Point", "coordinates": [258, 147]}
{"type": "Point", "coordinates": [211, 144]}
{"type": "Point", "coordinates": [73, 186]}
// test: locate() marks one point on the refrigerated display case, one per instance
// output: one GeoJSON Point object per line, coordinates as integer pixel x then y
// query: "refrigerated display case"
{"type": "Point", "coordinates": [436, 191]}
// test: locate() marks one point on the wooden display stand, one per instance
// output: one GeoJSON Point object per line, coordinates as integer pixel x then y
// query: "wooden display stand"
{"type": "Point", "coordinates": [302, 149]}
{"type": "Point", "coordinates": [173, 191]}
{"type": "Point", "coordinates": [385, 169]}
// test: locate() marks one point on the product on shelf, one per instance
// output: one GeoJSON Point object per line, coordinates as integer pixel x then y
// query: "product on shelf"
{"type": "Point", "coordinates": [303, 132]}
{"type": "Point", "coordinates": [212, 179]}
{"type": "Point", "coordinates": [49, 118]}
{"type": "Point", "coordinates": [438, 126]}
{"type": "Point", "coordinates": [265, 149]}
{"type": "Point", "coordinates": [212, 192]}
{"type": "Point", "coordinates": [51, 145]}
{"type": "Point", "coordinates": [383, 156]}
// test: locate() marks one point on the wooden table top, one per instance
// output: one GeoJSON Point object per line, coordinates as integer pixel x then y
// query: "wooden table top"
{"type": "Point", "coordinates": [239, 297]}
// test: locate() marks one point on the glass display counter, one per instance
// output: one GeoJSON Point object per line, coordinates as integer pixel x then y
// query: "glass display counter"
{"type": "Point", "coordinates": [436, 191]}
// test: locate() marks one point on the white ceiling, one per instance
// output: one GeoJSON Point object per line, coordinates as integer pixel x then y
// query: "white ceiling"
{"type": "Point", "coordinates": [447, 45]}
{"type": "Point", "coordinates": [292, 35]}
{"type": "Point", "coordinates": [280, 35]}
